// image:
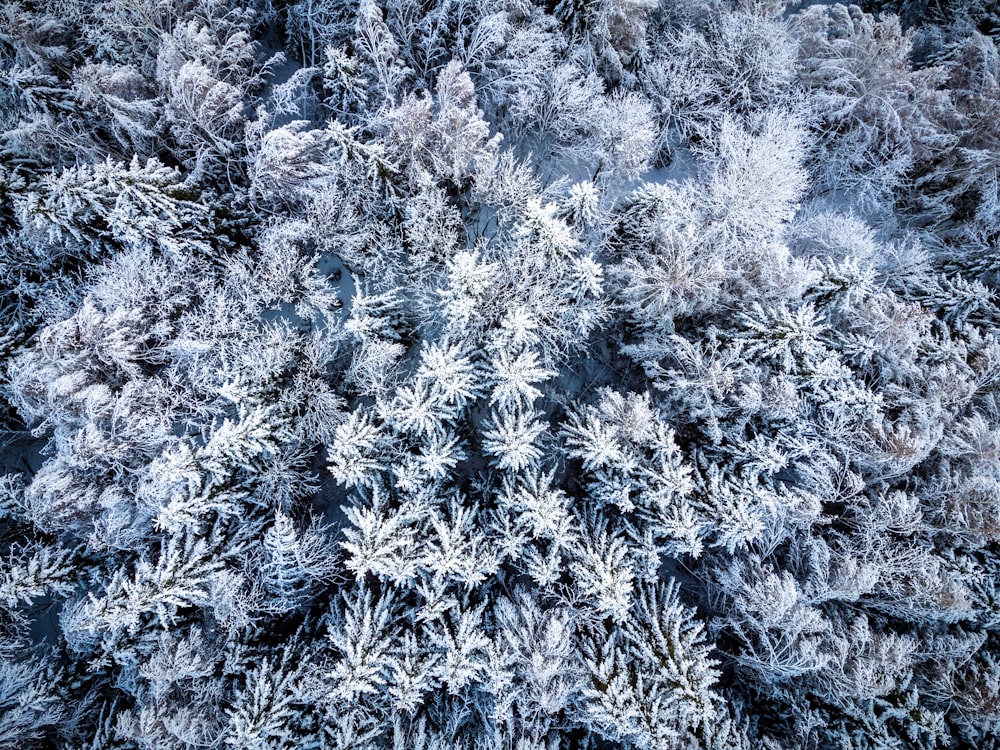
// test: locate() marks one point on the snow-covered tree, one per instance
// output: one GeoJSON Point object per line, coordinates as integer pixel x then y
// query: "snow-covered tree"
{"type": "Point", "coordinates": [503, 375]}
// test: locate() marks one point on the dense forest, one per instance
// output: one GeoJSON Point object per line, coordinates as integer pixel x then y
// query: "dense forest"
{"type": "Point", "coordinates": [499, 375]}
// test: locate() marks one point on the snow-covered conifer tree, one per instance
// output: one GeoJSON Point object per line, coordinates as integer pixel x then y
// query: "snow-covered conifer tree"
{"type": "Point", "coordinates": [503, 375]}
